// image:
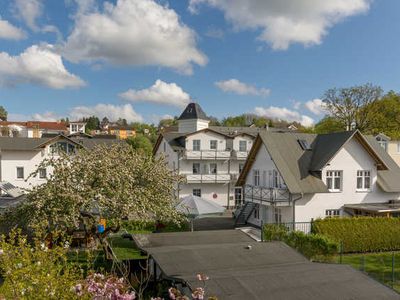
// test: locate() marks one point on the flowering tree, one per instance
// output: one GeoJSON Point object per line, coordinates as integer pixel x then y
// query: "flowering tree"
{"type": "Point", "coordinates": [117, 180]}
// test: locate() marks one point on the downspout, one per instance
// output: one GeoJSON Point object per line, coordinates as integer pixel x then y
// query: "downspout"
{"type": "Point", "coordinates": [294, 207]}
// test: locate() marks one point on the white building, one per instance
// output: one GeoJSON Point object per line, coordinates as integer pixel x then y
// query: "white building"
{"type": "Point", "coordinates": [294, 177]}
{"type": "Point", "coordinates": [20, 157]}
{"type": "Point", "coordinates": [209, 158]}
{"type": "Point", "coordinates": [76, 127]}
{"type": "Point", "coordinates": [31, 129]}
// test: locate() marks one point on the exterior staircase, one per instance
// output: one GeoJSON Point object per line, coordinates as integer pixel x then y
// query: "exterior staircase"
{"type": "Point", "coordinates": [244, 213]}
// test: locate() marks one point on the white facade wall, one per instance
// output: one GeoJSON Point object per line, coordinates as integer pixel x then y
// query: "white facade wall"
{"type": "Point", "coordinates": [237, 139]}
{"type": "Point", "coordinates": [192, 125]}
{"type": "Point", "coordinates": [171, 157]}
{"type": "Point", "coordinates": [205, 137]}
{"type": "Point", "coordinates": [351, 158]}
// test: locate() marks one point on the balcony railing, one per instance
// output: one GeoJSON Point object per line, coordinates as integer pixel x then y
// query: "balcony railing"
{"type": "Point", "coordinates": [208, 178]}
{"type": "Point", "coordinates": [240, 154]}
{"type": "Point", "coordinates": [265, 194]}
{"type": "Point", "coordinates": [207, 154]}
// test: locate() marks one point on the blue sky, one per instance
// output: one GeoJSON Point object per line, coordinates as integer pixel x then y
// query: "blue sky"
{"type": "Point", "coordinates": [145, 59]}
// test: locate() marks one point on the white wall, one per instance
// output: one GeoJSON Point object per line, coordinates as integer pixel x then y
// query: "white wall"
{"type": "Point", "coordinates": [351, 157]}
{"type": "Point", "coordinates": [205, 138]}
{"type": "Point", "coordinates": [246, 138]}
{"type": "Point", "coordinates": [208, 190]}
{"type": "Point", "coordinates": [192, 125]}
{"type": "Point", "coordinates": [171, 157]}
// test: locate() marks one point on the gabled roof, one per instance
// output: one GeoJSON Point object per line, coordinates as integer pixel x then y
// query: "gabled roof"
{"type": "Point", "coordinates": [301, 169]}
{"type": "Point", "coordinates": [193, 111]}
{"type": "Point", "coordinates": [58, 126]}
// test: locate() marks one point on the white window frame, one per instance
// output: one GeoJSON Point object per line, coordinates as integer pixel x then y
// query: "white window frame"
{"type": "Point", "coordinates": [332, 213]}
{"type": "Point", "coordinates": [196, 192]}
{"type": "Point", "coordinates": [241, 147]}
{"type": "Point", "coordinates": [213, 168]}
{"type": "Point", "coordinates": [238, 196]}
{"type": "Point", "coordinates": [42, 173]}
{"type": "Point", "coordinates": [213, 143]}
{"type": "Point", "coordinates": [256, 177]}
{"type": "Point", "coordinates": [196, 145]}
{"type": "Point", "coordinates": [365, 177]}
{"type": "Point", "coordinates": [332, 176]}
{"type": "Point", "coordinates": [198, 169]}
{"type": "Point", "coordinates": [23, 173]}
{"type": "Point", "coordinates": [278, 215]}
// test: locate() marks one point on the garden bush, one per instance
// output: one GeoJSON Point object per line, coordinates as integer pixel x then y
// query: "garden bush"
{"type": "Point", "coordinates": [313, 246]}
{"type": "Point", "coordinates": [151, 226]}
{"type": "Point", "coordinates": [361, 234]}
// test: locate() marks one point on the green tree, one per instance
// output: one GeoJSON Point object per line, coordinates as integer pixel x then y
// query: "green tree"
{"type": "Point", "coordinates": [328, 125]}
{"type": "Point", "coordinates": [3, 113]}
{"type": "Point", "coordinates": [92, 123]}
{"type": "Point", "coordinates": [141, 143]}
{"type": "Point", "coordinates": [119, 181]}
{"type": "Point", "coordinates": [352, 106]}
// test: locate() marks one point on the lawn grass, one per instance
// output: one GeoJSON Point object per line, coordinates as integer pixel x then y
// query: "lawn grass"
{"type": "Point", "coordinates": [124, 249]}
{"type": "Point", "coordinates": [376, 265]}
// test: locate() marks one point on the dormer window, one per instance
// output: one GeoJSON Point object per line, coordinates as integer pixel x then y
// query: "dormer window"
{"type": "Point", "coordinates": [242, 146]}
{"type": "Point", "coordinates": [213, 144]}
{"type": "Point", "coordinates": [196, 145]}
{"type": "Point", "coordinates": [304, 145]}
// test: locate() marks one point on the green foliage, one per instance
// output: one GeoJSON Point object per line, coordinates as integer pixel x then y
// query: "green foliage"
{"type": "Point", "coordinates": [275, 232]}
{"type": "Point", "coordinates": [141, 143]}
{"type": "Point", "coordinates": [313, 246]}
{"type": "Point", "coordinates": [116, 180]}
{"type": "Point", "coordinates": [363, 234]}
{"type": "Point", "coordinates": [134, 226]}
{"type": "Point", "coordinates": [34, 271]}
{"type": "Point", "coordinates": [92, 123]}
{"type": "Point", "coordinates": [3, 113]}
{"type": "Point", "coordinates": [328, 125]}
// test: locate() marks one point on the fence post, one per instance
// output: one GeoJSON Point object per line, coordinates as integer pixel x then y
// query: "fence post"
{"type": "Point", "coordinates": [393, 273]}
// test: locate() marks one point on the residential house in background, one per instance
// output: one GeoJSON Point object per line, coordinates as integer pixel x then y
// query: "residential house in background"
{"type": "Point", "coordinates": [31, 129]}
{"type": "Point", "coordinates": [392, 147]}
{"type": "Point", "coordinates": [77, 127]}
{"type": "Point", "coordinates": [19, 157]}
{"type": "Point", "coordinates": [295, 177]}
{"type": "Point", "coordinates": [120, 131]}
{"type": "Point", "coordinates": [209, 158]}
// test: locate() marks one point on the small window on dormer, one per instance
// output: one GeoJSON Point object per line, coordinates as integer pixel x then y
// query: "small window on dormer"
{"type": "Point", "coordinates": [304, 145]}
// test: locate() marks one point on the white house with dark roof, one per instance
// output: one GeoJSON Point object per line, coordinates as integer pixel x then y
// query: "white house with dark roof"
{"type": "Point", "coordinates": [294, 177]}
{"type": "Point", "coordinates": [209, 158]}
{"type": "Point", "coordinates": [21, 156]}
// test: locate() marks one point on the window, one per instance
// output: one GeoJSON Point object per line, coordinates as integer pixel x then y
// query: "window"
{"type": "Point", "coordinates": [304, 145]}
{"type": "Point", "coordinates": [363, 180]}
{"type": "Point", "coordinates": [256, 214]}
{"type": "Point", "coordinates": [264, 178]}
{"type": "Point", "coordinates": [165, 147]}
{"type": "Point", "coordinates": [256, 176]}
{"type": "Point", "coordinates": [42, 173]}
{"type": "Point", "coordinates": [275, 179]}
{"type": "Point", "coordinates": [213, 144]}
{"type": "Point", "coordinates": [238, 197]}
{"type": "Point", "coordinates": [278, 215]}
{"type": "Point", "coordinates": [334, 180]}
{"type": "Point", "coordinates": [243, 146]}
{"type": "Point", "coordinates": [332, 212]}
{"type": "Point", "coordinates": [74, 128]}
{"type": "Point", "coordinates": [241, 168]}
{"type": "Point", "coordinates": [196, 168]}
{"type": "Point", "coordinates": [196, 145]}
{"type": "Point", "coordinates": [213, 168]}
{"type": "Point", "coordinates": [20, 172]}
{"type": "Point", "coordinates": [382, 141]}
{"type": "Point", "coordinates": [197, 192]}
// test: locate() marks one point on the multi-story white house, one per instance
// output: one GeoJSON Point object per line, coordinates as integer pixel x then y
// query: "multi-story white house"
{"type": "Point", "coordinates": [209, 158]}
{"type": "Point", "coordinates": [20, 157]}
{"type": "Point", "coordinates": [295, 177]}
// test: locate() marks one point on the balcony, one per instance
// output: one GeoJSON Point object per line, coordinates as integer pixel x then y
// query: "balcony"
{"type": "Point", "coordinates": [207, 154]}
{"type": "Point", "coordinates": [240, 154]}
{"type": "Point", "coordinates": [208, 178]}
{"type": "Point", "coordinates": [265, 194]}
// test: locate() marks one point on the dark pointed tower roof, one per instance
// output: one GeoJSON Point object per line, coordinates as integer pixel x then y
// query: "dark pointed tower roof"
{"type": "Point", "coordinates": [193, 111]}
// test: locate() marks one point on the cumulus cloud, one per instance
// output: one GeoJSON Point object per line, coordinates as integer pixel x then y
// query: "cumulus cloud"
{"type": "Point", "coordinates": [46, 116]}
{"type": "Point", "coordinates": [38, 64]}
{"type": "Point", "coordinates": [316, 106]}
{"type": "Point", "coordinates": [9, 31]}
{"type": "Point", "coordinates": [133, 32]}
{"type": "Point", "coordinates": [29, 11]}
{"type": "Point", "coordinates": [284, 22]}
{"type": "Point", "coordinates": [240, 88]}
{"type": "Point", "coordinates": [160, 93]}
{"type": "Point", "coordinates": [112, 112]}
{"type": "Point", "coordinates": [282, 113]}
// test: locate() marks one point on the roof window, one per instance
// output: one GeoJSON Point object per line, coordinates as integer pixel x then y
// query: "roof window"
{"type": "Point", "coordinates": [304, 145]}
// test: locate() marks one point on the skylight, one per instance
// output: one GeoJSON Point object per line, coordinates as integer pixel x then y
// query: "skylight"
{"type": "Point", "coordinates": [304, 145]}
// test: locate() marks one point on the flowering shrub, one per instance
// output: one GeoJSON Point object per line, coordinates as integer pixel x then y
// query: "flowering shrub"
{"type": "Point", "coordinates": [33, 271]}
{"type": "Point", "coordinates": [100, 287]}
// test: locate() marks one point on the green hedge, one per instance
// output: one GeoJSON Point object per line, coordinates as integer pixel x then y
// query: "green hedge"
{"type": "Point", "coordinates": [150, 226]}
{"type": "Point", "coordinates": [362, 234]}
{"type": "Point", "coordinates": [313, 246]}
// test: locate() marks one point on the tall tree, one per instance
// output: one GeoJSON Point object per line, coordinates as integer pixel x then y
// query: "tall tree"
{"type": "Point", "coordinates": [141, 143]}
{"type": "Point", "coordinates": [3, 113]}
{"type": "Point", "coordinates": [328, 125]}
{"type": "Point", "coordinates": [351, 106]}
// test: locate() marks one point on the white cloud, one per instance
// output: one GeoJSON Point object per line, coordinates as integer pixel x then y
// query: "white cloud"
{"type": "Point", "coordinates": [155, 119]}
{"type": "Point", "coordinates": [29, 11]}
{"type": "Point", "coordinates": [283, 22]}
{"type": "Point", "coordinates": [38, 65]}
{"type": "Point", "coordinates": [46, 116]}
{"type": "Point", "coordinates": [282, 113]}
{"type": "Point", "coordinates": [9, 31]}
{"type": "Point", "coordinates": [161, 93]}
{"type": "Point", "coordinates": [215, 33]}
{"type": "Point", "coordinates": [133, 32]}
{"type": "Point", "coordinates": [240, 88]}
{"type": "Point", "coordinates": [316, 106]}
{"type": "Point", "coordinates": [296, 104]}
{"type": "Point", "coordinates": [112, 112]}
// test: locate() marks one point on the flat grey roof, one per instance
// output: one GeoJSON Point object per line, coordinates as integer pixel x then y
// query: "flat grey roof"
{"type": "Point", "coordinates": [375, 207]}
{"type": "Point", "coordinates": [270, 270]}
